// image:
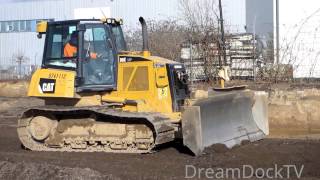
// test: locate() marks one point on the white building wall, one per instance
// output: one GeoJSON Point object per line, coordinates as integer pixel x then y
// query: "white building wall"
{"type": "Point", "coordinates": [27, 44]}
{"type": "Point", "coordinates": [299, 27]}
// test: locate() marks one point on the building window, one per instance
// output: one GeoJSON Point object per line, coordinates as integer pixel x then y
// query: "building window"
{"type": "Point", "coordinates": [33, 25]}
{"type": "Point", "coordinates": [20, 25]}
{"type": "Point", "coordinates": [9, 26]}
{"type": "Point", "coordinates": [3, 27]}
{"type": "Point", "coordinates": [16, 26]}
{"type": "Point", "coordinates": [28, 26]}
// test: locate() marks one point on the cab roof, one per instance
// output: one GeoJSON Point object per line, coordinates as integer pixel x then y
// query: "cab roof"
{"type": "Point", "coordinates": [82, 21]}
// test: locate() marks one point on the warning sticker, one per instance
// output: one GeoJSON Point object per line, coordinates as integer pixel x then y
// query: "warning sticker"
{"type": "Point", "coordinates": [163, 93]}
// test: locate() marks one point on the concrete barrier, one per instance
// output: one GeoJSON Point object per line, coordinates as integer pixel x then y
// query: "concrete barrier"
{"type": "Point", "coordinates": [294, 112]}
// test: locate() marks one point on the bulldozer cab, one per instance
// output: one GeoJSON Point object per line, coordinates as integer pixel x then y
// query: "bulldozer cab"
{"type": "Point", "coordinates": [88, 47]}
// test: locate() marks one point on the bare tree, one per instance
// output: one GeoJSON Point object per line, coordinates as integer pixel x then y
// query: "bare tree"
{"type": "Point", "coordinates": [202, 22]}
{"type": "Point", "coordinates": [200, 17]}
{"type": "Point", "coordinates": [20, 59]}
{"type": "Point", "coordinates": [165, 38]}
{"type": "Point", "coordinates": [134, 39]}
{"type": "Point", "coordinates": [293, 47]}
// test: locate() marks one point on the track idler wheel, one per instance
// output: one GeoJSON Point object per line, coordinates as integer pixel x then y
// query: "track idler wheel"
{"type": "Point", "coordinates": [40, 127]}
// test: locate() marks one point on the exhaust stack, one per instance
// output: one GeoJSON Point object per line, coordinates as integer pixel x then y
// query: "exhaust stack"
{"type": "Point", "coordinates": [145, 43]}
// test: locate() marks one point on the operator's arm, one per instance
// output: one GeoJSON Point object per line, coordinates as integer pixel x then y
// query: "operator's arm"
{"type": "Point", "coordinates": [93, 55]}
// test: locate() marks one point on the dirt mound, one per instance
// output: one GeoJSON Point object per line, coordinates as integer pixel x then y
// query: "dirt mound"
{"type": "Point", "coordinates": [218, 148]}
{"type": "Point", "coordinates": [22, 170]}
{"type": "Point", "coordinates": [13, 88]}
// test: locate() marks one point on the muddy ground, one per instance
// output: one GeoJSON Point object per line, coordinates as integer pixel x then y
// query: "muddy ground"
{"type": "Point", "coordinates": [169, 162]}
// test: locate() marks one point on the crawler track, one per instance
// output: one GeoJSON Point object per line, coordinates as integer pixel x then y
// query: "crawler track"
{"type": "Point", "coordinates": [94, 129]}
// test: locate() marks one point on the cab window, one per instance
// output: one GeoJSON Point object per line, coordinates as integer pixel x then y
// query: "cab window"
{"type": "Point", "coordinates": [99, 64]}
{"type": "Point", "coordinates": [118, 34]}
{"type": "Point", "coordinates": [60, 36]}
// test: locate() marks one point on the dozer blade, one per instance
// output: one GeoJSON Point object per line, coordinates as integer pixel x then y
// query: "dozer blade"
{"type": "Point", "coordinates": [225, 118]}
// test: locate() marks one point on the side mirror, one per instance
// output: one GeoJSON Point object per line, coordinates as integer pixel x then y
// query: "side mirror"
{"type": "Point", "coordinates": [41, 28]}
{"type": "Point", "coordinates": [39, 36]}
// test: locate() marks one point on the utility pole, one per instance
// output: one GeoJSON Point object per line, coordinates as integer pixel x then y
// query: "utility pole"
{"type": "Point", "coordinates": [223, 43]}
{"type": "Point", "coordinates": [191, 64]}
{"type": "Point", "coordinates": [254, 49]}
{"type": "Point", "coordinates": [277, 33]}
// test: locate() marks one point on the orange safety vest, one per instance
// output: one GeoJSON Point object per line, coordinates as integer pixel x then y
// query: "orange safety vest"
{"type": "Point", "coordinates": [70, 51]}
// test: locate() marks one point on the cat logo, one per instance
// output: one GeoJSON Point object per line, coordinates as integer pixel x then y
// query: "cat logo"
{"type": "Point", "coordinates": [47, 85]}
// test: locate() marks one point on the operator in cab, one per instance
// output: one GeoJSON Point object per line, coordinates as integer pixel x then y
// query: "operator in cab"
{"type": "Point", "coordinates": [70, 49]}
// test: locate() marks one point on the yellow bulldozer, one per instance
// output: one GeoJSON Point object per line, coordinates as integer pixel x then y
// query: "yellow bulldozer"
{"type": "Point", "coordinates": [100, 97]}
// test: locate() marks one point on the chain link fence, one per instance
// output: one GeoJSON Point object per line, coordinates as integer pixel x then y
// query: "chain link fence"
{"type": "Point", "coordinates": [13, 69]}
